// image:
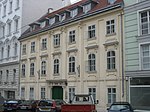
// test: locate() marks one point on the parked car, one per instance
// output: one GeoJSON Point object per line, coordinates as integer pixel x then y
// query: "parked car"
{"type": "Point", "coordinates": [25, 105]}
{"type": "Point", "coordinates": [50, 105]}
{"type": "Point", "coordinates": [120, 107]}
{"type": "Point", "coordinates": [11, 105]}
{"type": "Point", "coordinates": [34, 105]}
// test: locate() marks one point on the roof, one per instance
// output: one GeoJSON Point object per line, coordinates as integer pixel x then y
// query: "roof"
{"type": "Point", "coordinates": [100, 7]}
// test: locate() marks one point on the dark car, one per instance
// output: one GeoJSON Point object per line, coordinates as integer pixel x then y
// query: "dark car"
{"type": "Point", "coordinates": [120, 107]}
{"type": "Point", "coordinates": [25, 105]}
{"type": "Point", "coordinates": [11, 105]}
{"type": "Point", "coordinates": [50, 105]}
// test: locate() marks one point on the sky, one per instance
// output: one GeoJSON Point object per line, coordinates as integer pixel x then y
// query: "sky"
{"type": "Point", "coordinates": [73, 1]}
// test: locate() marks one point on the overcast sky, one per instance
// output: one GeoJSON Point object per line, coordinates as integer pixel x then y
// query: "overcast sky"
{"type": "Point", "coordinates": [72, 1]}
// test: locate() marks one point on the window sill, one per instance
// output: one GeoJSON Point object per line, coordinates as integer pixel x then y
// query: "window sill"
{"type": "Point", "coordinates": [17, 8]}
{"type": "Point", "coordinates": [4, 16]}
{"type": "Point", "coordinates": [111, 34]}
{"type": "Point", "coordinates": [23, 76]}
{"type": "Point", "coordinates": [70, 43]}
{"type": "Point", "coordinates": [10, 12]}
{"type": "Point", "coordinates": [32, 75]}
{"type": "Point", "coordinates": [16, 32]}
{"type": "Point", "coordinates": [56, 74]}
{"type": "Point", "coordinates": [56, 46]}
{"type": "Point", "coordinates": [71, 73]}
{"type": "Point", "coordinates": [111, 70]}
{"type": "Point", "coordinates": [32, 52]}
{"type": "Point", "coordinates": [92, 38]}
{"type": "Point", "coordinates": [43, 49]}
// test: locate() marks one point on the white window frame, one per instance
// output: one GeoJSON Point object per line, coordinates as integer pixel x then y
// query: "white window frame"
{"type": "Point", "coordinates": [43, 68]}
{"type": "Point", "coordinates": [22, 92]}
{"type": "Point", "coordinates": [31, 94]}
{"type": "Point", "coordinates": [71, 93]}
{"type": "Point", "coordinates": [92, 91]}
{"type": "Point", "coordinates": [43, 92]}
{"type": "Point", "coordinates": [3, 30]}
{"type": "Point", "coordinates": [44, 44]}
{"type": "Point", "coordinates": [74, 12]}
{"type": "Point", "coordinates": [32, 47]}
{"type": "Point", "coordinates": [23, 70]}
{"type": "Point", "coordinates": [56, 40]}
{"type": "Point", "coordinates": [110, 27]}
{"type": "Point", "coordinates": [112, 59]}
{"type": "Point", "coordinates": [87, 8]}
{"type": "Point", "coordinates": [111, 94]}
{"type": "Point", "coordinates": [4, 10]}
{"type": "Point", "coordinates": [16, 25]}
{"type": "Point", "coordinates": [32, 68]}
{"type": "Point", "coordinates": [56, 66]}
{"type": "Point", "coordinates": [17, 4]}
{"type": "Point", "coordinates": [10, 6]}
{"type": "Point", "coordinates": [72, 36]}
{"type": "Point", "coordinates": [92, 62]}
{"type": "Point", "coordinates": [8, 51]}
{"type": "Point", "coordinates": [24, 49]}
{"type": "Point", "coordinates": [91, 31]}
{"type": "Point", "coordinates": [72, 64]}
{"type": "Point", "coordinates": [15, 49]}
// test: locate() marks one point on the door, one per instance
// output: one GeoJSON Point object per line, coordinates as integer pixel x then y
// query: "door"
{"type": "Point", "coordinates": [57, 92]}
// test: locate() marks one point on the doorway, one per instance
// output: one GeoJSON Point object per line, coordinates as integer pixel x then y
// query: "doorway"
{"type": "Point", "coordinates": [57, 92]}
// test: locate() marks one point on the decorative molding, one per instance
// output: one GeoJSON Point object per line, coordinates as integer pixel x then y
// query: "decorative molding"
{"type": "Point", "coordinates": [111, 43]}
{"type": "Point", "coordinates": [95, 47]}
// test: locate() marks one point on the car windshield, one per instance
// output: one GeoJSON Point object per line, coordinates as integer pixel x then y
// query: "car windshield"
{"type": "Point", "coordinates": [45, 103]}
{"type": "Point", "coordinates": [12, 101]}
{"type": "Point", "coordinates": [119, 107]}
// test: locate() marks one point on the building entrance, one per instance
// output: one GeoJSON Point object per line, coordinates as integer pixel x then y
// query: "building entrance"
{"type": "Point", "coordinates": [57, 92]}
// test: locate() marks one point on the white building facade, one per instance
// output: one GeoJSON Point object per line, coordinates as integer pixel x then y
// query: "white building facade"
{"type": "Point", "coordinates": [14, 17]}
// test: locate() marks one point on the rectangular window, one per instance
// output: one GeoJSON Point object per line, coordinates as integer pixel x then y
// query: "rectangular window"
{"type": "Point", "coordinates": [52, 21]}
{"type": "Point", "coordinates": [14, 75]}
{"type": "Point", "coordinates": [32, 69]}
{"type": "Point", "coordinates": [145, 56]}
{"type": "Point", "coordinates": [31, 97]}
{"type": "Point", "coordinates": [111, 95]}
{"type": "Point", "coordinates": [4, 10]}
{"type": "Point", "coordinates": [110, 27]}
{"type": "Point", "coordinates": [32, 47]}
{"type": "Point", "coordinates": [22, 93]}
{"type": "Point", "coordinates": [17, 4]}
{"type": "Point", "coordinates": [9, 28]}
{"type": "Point", "coordinates": [24, 49]}
{"type": "Point", "coordinates": [16, 25]}
{"type": "Point", "coordinates": [91, 31]}
{"type": "Point", "coordinates": [72, 36]}
{"type": "Point", "coordinates": [87, 8]}
{"type": "Point", "coordinates": [71, 93]}
{"type": "Point", "coordinates": [10, 6]}
{"type": "Point", "coordinates": [44, 44]}
{"type": "Point", "coordinates": [43, 93]}
{"type": "Point", "coordinates": [92, 91]}
{"type": "Point", "coordinates": [7, 75]}
{"type": "Point", "coordinates": [23, 70]}
{"type": "Point", "coordinates": [3, 31]}
{"type": "Point", "coordinates": [74, 12]}
{"type": "Point", "coordinates": [145, 22]}
{"type": "Point", "coordinates": [57, 40]}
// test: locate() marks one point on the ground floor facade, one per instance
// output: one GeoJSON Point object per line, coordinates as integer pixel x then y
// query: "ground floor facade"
{"type": "Point", "coordinates": [139, 90]}
{"type": "Point", "coordinates": [106, 91]}
{"type": "Point", "coordinates": [9, 82]}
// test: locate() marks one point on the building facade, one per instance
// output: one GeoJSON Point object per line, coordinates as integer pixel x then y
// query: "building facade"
{"type": "Point", "coordinates": [14, 17]}
{"type": "Point", "coordinates": [75, 50]}
{"type": "Point", "coordinates": [137, 42]}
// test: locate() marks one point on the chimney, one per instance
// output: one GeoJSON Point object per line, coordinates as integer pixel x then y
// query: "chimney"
{"type": "Point", "coordinates": [50, 10]}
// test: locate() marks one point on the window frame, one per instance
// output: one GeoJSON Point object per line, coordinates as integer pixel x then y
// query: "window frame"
{"type": "Point", "coordinates": [56, 40]}
{"type": "Point", "coordinates": [23, 70]}
{"type": "Point", "coordinates": [44, 44]}
{"type": "Point", "coordinates": [31, 94]}
{"type": "Point", "coordinates": [72, 64]}
{"type": "Point", "coordinates": [110, 27]}
{"type": "Point", "coordinates": [24, 49]}
{"type": "Point", "coordinates": [8, 51]}
{"type": "Point", "coordinates": [72, 37]}
{"type": "Point", "coordinates": [92, 62]}
{"type": "Point", "coordinates": [87, 7]}
{"type": "Point", "coordinates": [112, 95]}
{"type": "Point", "coordinates": [22, 92]}
{"type": "Point", "coordinates": [111, 60]}
{"type": "Point", "coordinates": [71, 92]}
{"type": "Point", "coordinates": [33, 47]}
{"type": "Point", "coordinates": [43, 92]}
{"type": "Point", "coordinates": [92, 91]}
{"type": "Point", "coordinates": [32, 69]}
{"type": "Point", "coordinates": [43, 68]}
{"type": "Point", "coordinates": [56, 66]}
{"type": "Point", "coordinates": [92, 31]}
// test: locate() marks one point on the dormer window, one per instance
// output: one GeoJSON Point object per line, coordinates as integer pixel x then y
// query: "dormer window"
{"type": "Point", "coordinates": [52, 20]}
{"type": "Point", "coordinates": [62, 17]}
{"type": "Point", "coordinates": [43, 24]}
{"type": "Point", "coordinates": [74, 12]}
{"type": "Point", "coordinates": [87, 8]}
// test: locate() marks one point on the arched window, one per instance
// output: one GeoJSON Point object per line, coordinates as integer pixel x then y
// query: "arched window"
{"type": "Point", "coordinates": [23, 70]}
{"type": "Point", "coordinates": [111, 60]}
{"type": "Point", "coordinates": [91, 62]}
{"type": "Point", "coordinates": [43, 68]}
{"type": "Point", "coordinates": [71, 64]}
{"type": "Point", "coordinates": [32, 69]}
{"type": "Point", "coordinates": [8, 51]}
{"type": "Point", "coordinates": [56, 66]}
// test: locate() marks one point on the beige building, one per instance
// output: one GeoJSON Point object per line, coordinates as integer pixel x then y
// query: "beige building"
{"type": "Point", "coordinates": [77, 49]}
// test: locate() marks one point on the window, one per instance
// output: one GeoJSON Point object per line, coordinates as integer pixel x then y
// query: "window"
{"type": "Point", "coordinates": [2, 53]}
{"type": "Point", "coordinates": [7, 75]}
{"type": "Point", "coordinates": [111, 95]}
{"type": "Point", "coordinates": [44, 44]}
{"type": "Point", "coordinates": [24, 49]}
{"type": "Point", "coordinates": [17, 4]}
{"type": "Point", "coordinates": [111, 60]}
{"type": "Point", "coordinates": [4, 10]}
{"type": "Point", "coordinates": [32, 69]}
{"type": "Point", "coordinates": [145, 22]}
{"type": "Point", "coordinates": [86, 8]}
{"type": "Point", "coordinates": [71, 64]}
{"type": "Point", "coordinates": [16, 24]}
{"type": "Point", "coordinates": [91, 62]}
{"type": "Point", "coordinates": [31, 97]}
{"type": "Point", "coordinates": [91, 31]}
{"type": "Point", "coordinates": [71, 93]}
{"type": "Point", "coordinates": [8, 51]}
{"type": "Point", "coordinates": [110, 27]}
{"type": "Point", "coordinates": [23, 70]}
{"type": "Point", "coordinates": [22, 93]}
{"type": "Point", "coordinates": [42, 25]}
{"type": "Point", "coordinates": [10, 6]}
{"type": "Point", "coordinates": [72, 36]}
{"type": "Point", "coordinates": [56, 66]}
{"type": "Point", "coordinates": [14, 75]}
{"type": "Point", "coordinates": [62, 17]}
{"type": "Point", "coordinates": [56, 40]}
{"type": "Point", "coordinates": [15, 49]}
{"type": "Point", "coordinates": [92, 91]}
{"type": "Point", "coordinates": [43, 93]}
{"type": "Point", "coordinates": [1, 76]}
{"type": "Point", "coordinates": [43, 68]}
{"type": "Point", "coordinates": [32, 47]}
{"type": "Point", "coordinates": [145, 56]}
{"type": "Point", "coordinates": [74, 12]}
{"type": "Point", "coordinates": [3, 31]}
{"type": "Point", "coordinates": [9, 28]}
{"type": "Point", "coordinates": [52, 20]}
